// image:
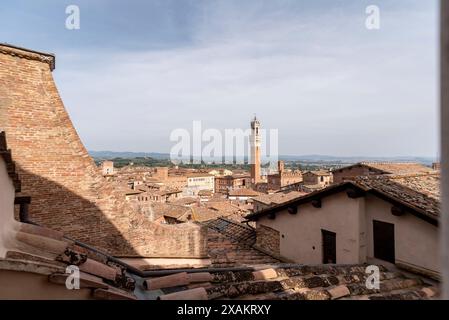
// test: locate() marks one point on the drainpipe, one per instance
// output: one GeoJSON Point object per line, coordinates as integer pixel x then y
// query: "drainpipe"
{"type": "Point", "coordinates": [444, 74]}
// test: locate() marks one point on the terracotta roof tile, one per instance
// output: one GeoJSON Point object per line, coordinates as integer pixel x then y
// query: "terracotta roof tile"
{"type": "Point", "coordinates": [417, 192]}
{"type": "Point", "coordinates": [169, 210]}
{"type": "Point", "coordinates": [301, 282]}
{"type": "Point", "coordinates": [398, 167]}
{"type": "Point", "coordinates": [233, 230]}
{"type": "Point", "coordinates": [35, 249]}
{"type": "Point", "coordinates": [278, 198]}
{"type": "Point", "coordinates": [421, 191]}
{"type": "Point", "coordinates": [184, 201]}
{"type": "Point", "coordinates": [242, 192]}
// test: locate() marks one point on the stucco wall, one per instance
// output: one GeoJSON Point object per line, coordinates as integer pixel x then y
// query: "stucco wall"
{"type": "Point", "coordinates": [196, 184]}
{"type": "Point", "coordinates": [416, 241]}
{"type": "Point", "coordinates": [7, 194]}
{"type": "Point", "coordinates": [300, 234]}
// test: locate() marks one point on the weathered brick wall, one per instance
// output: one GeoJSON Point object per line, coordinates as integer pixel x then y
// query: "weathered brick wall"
{"type": "Point", "coordinates": [268, 240]}
{"type": "Point", "coordinates": [68, 191]}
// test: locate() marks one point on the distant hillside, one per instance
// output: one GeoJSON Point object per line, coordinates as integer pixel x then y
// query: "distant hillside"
{"type": "Point", "coordinates": [127, 155]}
{"type": "Point", "coordinates": [355, 159]}
{"type": "Point", "coordinates": [302, 158]}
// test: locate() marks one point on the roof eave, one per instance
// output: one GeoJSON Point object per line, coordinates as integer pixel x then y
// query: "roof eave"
{"type": "Point", "coordinates": [422, 214]}
{"type": "Point", "coordinates": [304, 199]}
{"type": "Point", "coordinates": [13, 50]}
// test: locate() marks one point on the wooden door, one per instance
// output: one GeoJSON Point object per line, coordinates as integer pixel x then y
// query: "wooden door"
{"type": "Point", "coordinates": [329, 240]}
{"type": "Point", "coordinates": [383, 234]}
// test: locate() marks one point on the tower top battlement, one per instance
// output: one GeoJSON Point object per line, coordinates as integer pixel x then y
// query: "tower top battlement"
{"type": "Point", "coordinates": [255, 122]}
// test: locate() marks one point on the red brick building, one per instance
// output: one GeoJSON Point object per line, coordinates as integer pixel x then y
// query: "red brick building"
{"type": "Point", "coordinates": [67, 189]}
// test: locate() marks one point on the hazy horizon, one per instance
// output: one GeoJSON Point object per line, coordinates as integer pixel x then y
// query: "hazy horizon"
{"type": "Point", "coordinates": [287, 155]}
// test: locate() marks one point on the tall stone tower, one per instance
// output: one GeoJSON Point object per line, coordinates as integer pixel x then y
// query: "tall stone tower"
{"type": "Point", "coordinates": [255, 151]}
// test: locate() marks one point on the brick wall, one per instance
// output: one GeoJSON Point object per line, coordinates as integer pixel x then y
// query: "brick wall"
{"type": "Point", "coordinates": [268, 240]}
{"type": "Point", "coordinates": [67, 189]}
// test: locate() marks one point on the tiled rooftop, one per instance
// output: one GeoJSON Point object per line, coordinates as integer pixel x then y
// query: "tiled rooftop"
{"type": "Point", "coordinates": [418, 192]}
{"type": "Point", "coordinates": [169, 210]}
{"type": "Point", "coordinates": [421, 191]}
{"type": "Point", "coordinates": [243, 192]}
{"type": "Point", "coordinates": [397, 167]}
{"type": "Point", "coordinates": [227, 252]}
{"type": "Point", "coordinates": [199, 175]}
{"type": "Point", "coordinates": [279, 197]}
{"type": "Point", "coordinates": [232, 229]}
{"type": "Point", "coordinates": [320, 172]}
{"type": "Point", "coordinates": [184, 201]}
{"type": "Point", "coordinates": [203, 213]}
{"type": "Point", "coordinates": [34, 249]}
{"type": "Point", "coordinates": [291, 282]}
{"type": "Point", "coordinates": [47, 252]}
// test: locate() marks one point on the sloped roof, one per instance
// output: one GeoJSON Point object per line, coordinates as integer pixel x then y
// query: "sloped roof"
{"type": "Point", "coordinates": [203, 214]}
{"type": "Point", "coordinates": [392, 167]}
{"type": "Point", "coordinates": [234, 230]}
{"type": "Point", "coordinates": [34, 249]}
{"type": "Point", "coordinates": [165, 191]}
{"type": "Point", "coordinates": [399, 167]}
{"type": "Point", "coordinates": [184, 201]}
{"type": "Point", "coordinates": [242, 192]}
{"type": "Point", "coordinates": [296, 282]}
{"type": "Point", "coordinates": [278, 198]}
{"type": "Point", "coordinates": [199, 175]}
{"type": "Point", "coordinates": [169, 210]}
{"type": "Point", "coordinates": [16, 51]}
{"type": "Point", "coordinates": [418, 193]}
{"type": "Point", "coordinates": [318, 172]}
{"type": "Point", "coordinates": [48, 252]}
{"type": "Point", "coordinates": [205, 193]}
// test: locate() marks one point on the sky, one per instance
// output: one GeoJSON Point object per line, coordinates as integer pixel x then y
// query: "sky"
{"type": "Point", "coordinates": [137, 70]}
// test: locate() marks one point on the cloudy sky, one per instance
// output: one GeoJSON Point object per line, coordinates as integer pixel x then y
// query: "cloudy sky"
{"type": "Point", "coordinates": [136, 70]}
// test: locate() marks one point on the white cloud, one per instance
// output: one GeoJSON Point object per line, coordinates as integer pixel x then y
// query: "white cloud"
{"type": "Point", "coordinates": [328, 84]}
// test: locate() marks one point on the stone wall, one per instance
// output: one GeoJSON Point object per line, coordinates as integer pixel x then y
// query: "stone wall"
{"type": "Point", "coordinates": [268, 240]}
{"type": "Point", "coordinates": [68, 191]}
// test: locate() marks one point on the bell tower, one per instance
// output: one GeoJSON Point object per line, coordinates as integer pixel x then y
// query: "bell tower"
{"type": "Point", "coordinates": [255, 151]}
